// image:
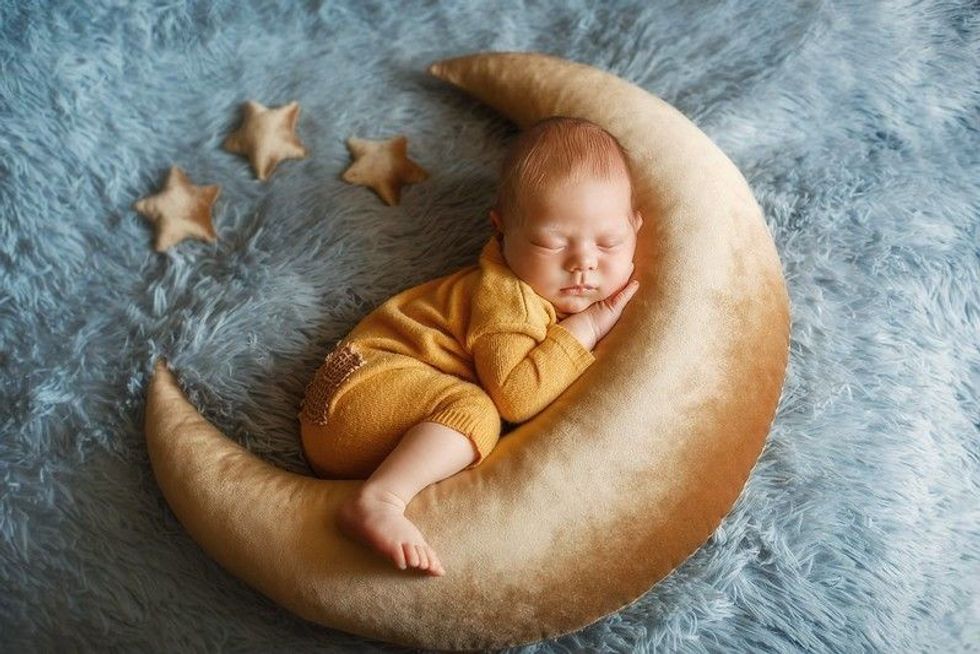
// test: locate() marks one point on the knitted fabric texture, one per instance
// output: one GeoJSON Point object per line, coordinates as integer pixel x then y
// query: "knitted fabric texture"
{"type": "Point", "coordinates": [482, 324]}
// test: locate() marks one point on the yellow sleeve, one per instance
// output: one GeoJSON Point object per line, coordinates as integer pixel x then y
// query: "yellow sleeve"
{"type": "Point", "coordinates": [523, 376]}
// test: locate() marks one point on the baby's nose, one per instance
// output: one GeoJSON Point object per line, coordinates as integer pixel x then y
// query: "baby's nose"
{"type": "Point", "coordinates": [583, 263]}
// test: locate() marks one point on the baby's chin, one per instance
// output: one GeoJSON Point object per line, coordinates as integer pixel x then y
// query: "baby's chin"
{"type": "Point", "coordinates": [574, 304]}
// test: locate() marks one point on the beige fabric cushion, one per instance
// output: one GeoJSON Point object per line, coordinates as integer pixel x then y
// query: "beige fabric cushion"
{"type": "Point", "coordinates": [579, 511]}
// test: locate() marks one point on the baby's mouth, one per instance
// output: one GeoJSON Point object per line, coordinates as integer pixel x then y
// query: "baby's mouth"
{"type": "Point", "coordinates": [578, 290]}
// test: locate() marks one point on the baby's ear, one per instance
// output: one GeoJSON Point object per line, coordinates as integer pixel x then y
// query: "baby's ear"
{"type": "Point", "coordinates": [637, 220]}
{"type": "Point", "coordinates": [495, 220]}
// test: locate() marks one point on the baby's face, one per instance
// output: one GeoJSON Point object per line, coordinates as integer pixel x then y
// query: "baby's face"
{"type": "Point", "coordinates": [577, 233]}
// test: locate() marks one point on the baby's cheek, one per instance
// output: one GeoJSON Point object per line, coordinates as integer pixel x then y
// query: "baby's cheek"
{"type": "Point", "coordinates": [622, 270]}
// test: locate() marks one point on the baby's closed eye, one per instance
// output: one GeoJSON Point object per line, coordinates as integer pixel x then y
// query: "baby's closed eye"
{"type": "Point", "coordinates": [604, 245]}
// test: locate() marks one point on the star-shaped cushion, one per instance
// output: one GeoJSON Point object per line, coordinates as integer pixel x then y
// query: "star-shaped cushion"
{"type": "Point", "coordinates": [267, 136]}
{"type": "Point", "coordinates": [182, 210]}
{"type": "Point", "coordinates": [384, 166]}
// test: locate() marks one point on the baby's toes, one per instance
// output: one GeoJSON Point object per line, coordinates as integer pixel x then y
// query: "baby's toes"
{"type": "Point", "coordinates": [411, 554]}
{"type": "Point", "coordinates": [435, 567]}
{"type": "Point", "coordinates": [423, 556]}
{"type": "Point", "coordinates": [397, 554]}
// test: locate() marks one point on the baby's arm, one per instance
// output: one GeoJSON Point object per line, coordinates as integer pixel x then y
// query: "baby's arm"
{"type": "Point", "coordinates": [523, 376]}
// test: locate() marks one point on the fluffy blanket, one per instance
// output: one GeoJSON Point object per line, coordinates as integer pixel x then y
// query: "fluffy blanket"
{"type": "Point", "coordinates": [856, 124]}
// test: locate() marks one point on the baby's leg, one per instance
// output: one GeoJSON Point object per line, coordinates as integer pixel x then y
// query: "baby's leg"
{"type": "Point", "coordinates": [401, 427]}
{"type": "Point", "coordinates": [375, 514]}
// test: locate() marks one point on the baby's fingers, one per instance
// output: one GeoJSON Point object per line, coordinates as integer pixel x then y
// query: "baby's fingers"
{"type": "Point", "coordinates": [615, 303]}
{"type": "Point", "coordinates": [627, 291]}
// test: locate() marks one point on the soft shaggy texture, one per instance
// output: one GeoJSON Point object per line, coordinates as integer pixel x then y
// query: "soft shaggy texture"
{"type": "Point", "coordinates": [855, 124]}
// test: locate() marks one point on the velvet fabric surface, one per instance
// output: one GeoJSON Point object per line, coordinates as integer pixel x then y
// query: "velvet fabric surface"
{"type": "Point", "coordinates": [853, 122]}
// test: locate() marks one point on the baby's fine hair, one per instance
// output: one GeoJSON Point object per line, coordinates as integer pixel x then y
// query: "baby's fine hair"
{"type": "Point", "coordinates": [557, 148]}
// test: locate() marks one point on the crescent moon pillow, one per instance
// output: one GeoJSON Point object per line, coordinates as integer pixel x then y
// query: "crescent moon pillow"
{"type": "Point", "coordinates": [577, 512]}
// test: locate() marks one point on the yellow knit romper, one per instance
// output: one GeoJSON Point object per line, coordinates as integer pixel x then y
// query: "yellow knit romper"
{"type": "Point", "coordinates": [462, 350]}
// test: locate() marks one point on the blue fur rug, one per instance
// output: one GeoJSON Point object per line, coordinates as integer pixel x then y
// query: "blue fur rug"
{"type": "Point", "coordinates": [856, 123]}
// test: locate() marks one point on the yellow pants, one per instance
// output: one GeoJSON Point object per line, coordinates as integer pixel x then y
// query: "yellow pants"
{"type": "Point", "coordinates": [360, 403]}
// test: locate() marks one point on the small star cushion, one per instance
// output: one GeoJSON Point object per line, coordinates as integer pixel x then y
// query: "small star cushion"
{"type": "Point", "coordinates": [384, 166]}
{"type": "Point", "coordinates": [267, 136]}
{"type": "Point", "coordinates": [182, 210]}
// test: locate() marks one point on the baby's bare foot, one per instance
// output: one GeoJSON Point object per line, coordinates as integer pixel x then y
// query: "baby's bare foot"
{"type": "Point", "coordinates": [377, 518]}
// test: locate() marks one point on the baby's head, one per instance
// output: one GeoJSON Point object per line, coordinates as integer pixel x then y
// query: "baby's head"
{"type": "Point", "coordinates": [565, 212]}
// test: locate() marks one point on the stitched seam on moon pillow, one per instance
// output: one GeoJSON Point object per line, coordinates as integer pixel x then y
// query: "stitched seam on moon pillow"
{"type": "Point", "coordinates": [337, 366]}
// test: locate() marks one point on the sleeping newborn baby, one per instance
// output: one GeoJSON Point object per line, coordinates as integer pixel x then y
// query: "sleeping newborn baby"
{"type": "Point", "coordinates": [416, 391]}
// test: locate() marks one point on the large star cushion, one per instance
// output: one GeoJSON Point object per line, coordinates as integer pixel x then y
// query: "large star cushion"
{"type": "Point", "coordinates": [384, 166]}
{"type": "Point", "coordinates": [267, 136]}
{"type": "Point", "coordinates": [181, 210]}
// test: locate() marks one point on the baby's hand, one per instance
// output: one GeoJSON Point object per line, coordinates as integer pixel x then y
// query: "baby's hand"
{"type": "Point", "coordinates": [590, 325]}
